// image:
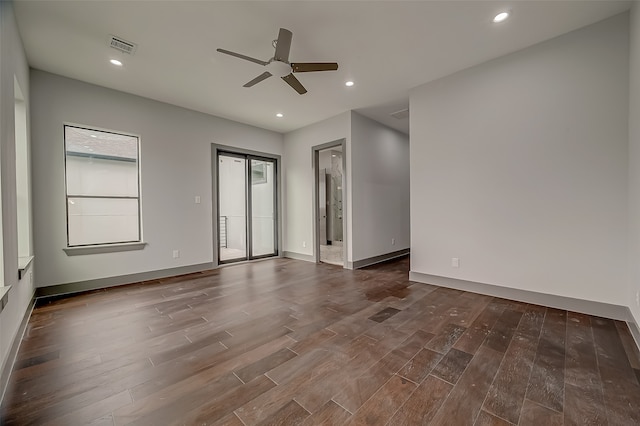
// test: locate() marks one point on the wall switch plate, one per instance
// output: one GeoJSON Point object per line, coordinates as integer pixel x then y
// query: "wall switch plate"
{"type": "Point", "coordinates": [455, 262]}
{"type": "Point", "coordinates": [304, 244]}
{"type": "Point", "coordinates": [176, 254]}
{"type": "Point", "coordinates": [197, 199]}
{"type": "Point", "coordinates": [638, 298]}
{"type": "Point", "coordinates": [393, 241]}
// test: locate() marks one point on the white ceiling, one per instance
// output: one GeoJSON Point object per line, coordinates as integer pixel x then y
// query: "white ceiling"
{"type": "Point", "coordinates": [386, 47]}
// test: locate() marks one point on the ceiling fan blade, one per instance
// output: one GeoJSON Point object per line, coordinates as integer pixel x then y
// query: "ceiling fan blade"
{"type": "Point", "coordinates": [245, 57]}
{"type": "Point", "coordinates": [313, 66]}
{"type": "Point", "coordinates": [283, 45]}
{"type": "Point", "coordinates": [293, 82]}
{"type": "Point", "coordinates": [258, 79]}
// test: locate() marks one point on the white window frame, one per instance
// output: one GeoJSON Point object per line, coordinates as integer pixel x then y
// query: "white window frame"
{"type": "Point", "coordinates": [82, 249]}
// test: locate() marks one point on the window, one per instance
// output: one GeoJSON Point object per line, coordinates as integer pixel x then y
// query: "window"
{"type": "Point", "coordinates": [102, 184]}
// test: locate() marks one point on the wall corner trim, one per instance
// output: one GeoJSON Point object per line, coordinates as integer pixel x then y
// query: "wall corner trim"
{"type": "Point", "coordinates": [634, 329]}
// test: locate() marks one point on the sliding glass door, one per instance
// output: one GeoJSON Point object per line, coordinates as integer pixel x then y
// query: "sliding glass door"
{"type": "Point", "coordinates": [246, 207]}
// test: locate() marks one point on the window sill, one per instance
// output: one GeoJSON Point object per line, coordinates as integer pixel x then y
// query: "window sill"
{"type": "Point", "coordinates": [4, 296]}
{"type": "Point", "coordinates": [23, 264]}
{"type": "Point", "coordinates": [105, 248]}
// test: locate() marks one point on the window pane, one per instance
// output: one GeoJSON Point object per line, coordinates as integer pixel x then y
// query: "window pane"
{"type": "Point", "coordinates": [232, 172]}
{"type": "Point", "coordinates": [102, 220]}
{"type": "Point", "coordinates": [102, 187]}
{"type": "Point", "coordinates": [101, 163]}
{"type": "Point", "coordinates": [262, 208]}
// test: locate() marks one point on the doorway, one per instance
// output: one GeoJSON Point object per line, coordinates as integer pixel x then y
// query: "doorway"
{"type": "Point", "coordinates": [246, 206]}
{"type": "Point", "coordinates": [329, 170]}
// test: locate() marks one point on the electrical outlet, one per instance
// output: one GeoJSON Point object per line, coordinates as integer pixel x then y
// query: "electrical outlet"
{"type": "Point", "coordinates": [393, 241]}
{"type": "Point", "coordinates": [304, 244]}
{"type": "Point", "coordinates": [176, 254]}
{"type": "Point", "coordinates": [455, 262]}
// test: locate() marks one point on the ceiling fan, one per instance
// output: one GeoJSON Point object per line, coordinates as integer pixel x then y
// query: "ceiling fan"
{"type": "Point", "coordinates": [280, 64]}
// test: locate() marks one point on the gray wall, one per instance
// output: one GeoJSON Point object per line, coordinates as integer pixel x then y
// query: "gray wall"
{"type": "Point", "coordinates": [380, 188]}
{"type": "Point", "coordinates": [376, 200]}
{"type": "Point", "coordinates": [175, 167]}
{"type": "Point", "coordinates": [12, 63]}
{"type": "Point", "coordinates": [634, 165]}
{"type": "Point", "coordinates": [519, 168]}
{"type": "Point", "coordinates": [299, 181]}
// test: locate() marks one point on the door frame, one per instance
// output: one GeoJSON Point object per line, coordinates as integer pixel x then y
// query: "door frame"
{"type": "Point", "coordinates": [215, 212]}
{"type": "Point", "coordinates": [315, 161]}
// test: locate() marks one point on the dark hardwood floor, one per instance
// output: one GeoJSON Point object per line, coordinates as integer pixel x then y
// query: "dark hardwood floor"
{"type": "Point", "coordinates": [289, 342]}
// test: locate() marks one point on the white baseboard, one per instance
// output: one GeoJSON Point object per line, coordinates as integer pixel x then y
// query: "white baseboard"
{"type": "Point", "coordinates": [600, 309]}
{"type": "Point", "coordinates": [377, 259]}
{"type": "Point", "coordinates": [299, 256]}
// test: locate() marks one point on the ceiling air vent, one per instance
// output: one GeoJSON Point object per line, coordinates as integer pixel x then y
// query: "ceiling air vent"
{"type": "Point", "coordinates": [122, 45]}
{"type": "Point", "coordinates": [403, 113]}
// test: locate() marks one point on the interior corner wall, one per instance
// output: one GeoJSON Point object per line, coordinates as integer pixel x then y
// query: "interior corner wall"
{"type": "Point", "coordinates": [380, 175]}
{"type": "Point", "coordinates": [175, 166]}
{"type": "Point", "coordinates": [519, 168]}
{"type": "Point", "coordinates": [299, 181]}
{"type": "Point", "coordinates": [634, 163]}
{"type": "Point", "coordinates": [13, 66]}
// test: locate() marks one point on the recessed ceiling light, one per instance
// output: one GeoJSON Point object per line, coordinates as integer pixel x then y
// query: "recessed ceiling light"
{"type": "Point", "coordinates": [93, 136]}
{"type": "Point", "coordinates": [333, 155]}
{"type": "Point", "coordinates": [500, 17]}
{"type": "Point", "coordinates": [279, 115]}
{"type": "Point", "coordinates": [349, 83]}
{"type": "Point", "coordinates": [116, 62]}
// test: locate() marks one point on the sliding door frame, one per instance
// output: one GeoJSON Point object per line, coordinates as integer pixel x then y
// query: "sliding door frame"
{"type": "Point", "coordinates": [216, 150]}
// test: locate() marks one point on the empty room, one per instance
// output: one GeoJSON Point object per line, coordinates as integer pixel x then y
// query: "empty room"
{"type": "Point", "coordinates": [319, 212]}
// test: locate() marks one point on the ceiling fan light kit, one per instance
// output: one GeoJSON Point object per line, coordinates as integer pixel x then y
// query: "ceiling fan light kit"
{"type": "Point", "coordinates": [280, 65]}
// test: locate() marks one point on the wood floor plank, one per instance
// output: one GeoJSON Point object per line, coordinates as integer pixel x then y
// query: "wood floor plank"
{"type": "Point", "coordinates": [273, 400]}
{"type": "Point", "coordinates": [313, 396]}
{"type": "Point", "coordinates": [219, 406]}
{"type": "Point", "coordinates": [621, 396]}
{"type": "Point", "coordinates": [465, 400]}
{"type": "Point", "coordinates": [507, 392]}
{"type": "Point", "coordinates": [534, 414]}
{"type": "Point", "coordinates": [282, 341]}
{"type": "Point", "coordinates": [331, 414]}
{"type": "Point", "coordinates": [452, 365]}
{"type": "Point", "coordinates": [478, 331]}
{"type": "Point", "coordinates": [584, 400]}
{"type": "Point", "coordinates": [384, 403]}
{"type": "Point", "coordinates": [420, 366]}
{"type": "Point", "coordinates": [486, 419]}
{"type": "Point", "coordinates": [422, 405]}
{"type": "Point", "coordinates": [91, 412]}
{"type": "Point", "coordinates": [546, 385]}
{"type": "Point", "coordinates": [290, 414]}
{"type": "Point", "coordinates": [446, 338]}
{"type": "Point", "coordinates": [500, 335]}
{"type": "Point", "coordinates": [356, 392]}
{"type": "Point", "coordinates": [168, 406]}
{"type": "Point", "coordinates": [630, 347]}
{"type": "Point", "coordinates": [248, 373]}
